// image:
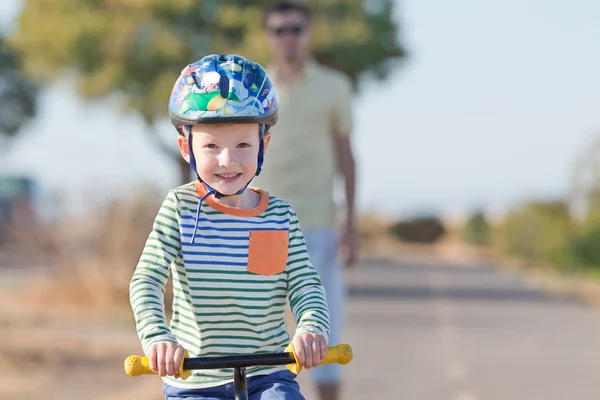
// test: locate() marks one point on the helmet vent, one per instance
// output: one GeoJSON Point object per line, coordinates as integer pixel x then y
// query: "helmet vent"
{"type": "Point", "coordinates": [224, 86]}
{"type": "Point", "coordinates": [249, 79]}
{"type": "Point", "coordinates": [197, 80]}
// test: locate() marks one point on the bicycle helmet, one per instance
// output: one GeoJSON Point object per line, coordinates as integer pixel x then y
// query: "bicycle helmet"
{"type": "Point", "coordinates": [223, 89]}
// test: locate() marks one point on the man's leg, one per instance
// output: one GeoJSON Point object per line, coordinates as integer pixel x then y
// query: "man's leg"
{"type": "Point", "coordinates": [322, 248]}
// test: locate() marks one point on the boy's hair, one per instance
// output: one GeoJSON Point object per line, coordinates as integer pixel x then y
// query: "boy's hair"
{"type": "Point", "coordinates": [184, 129]}
{"type": "Point", "coordinates": [286, 6]}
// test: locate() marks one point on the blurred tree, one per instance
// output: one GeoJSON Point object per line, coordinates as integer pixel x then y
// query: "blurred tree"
{"type": "Point", "coordinates": [585, 185]}
{"type": "Point", "coordinates": [538, 231]}
{"type": "Point", "coordinates": [137, 48]}
{"type": "Point", "coordinates": [477, 230]}
{"type": "Point", "coordinates": [585, 198]}
{"type": "Point", "coordinates": [17, 96]}
{"type": "Point", "coordinates": [418, 230]}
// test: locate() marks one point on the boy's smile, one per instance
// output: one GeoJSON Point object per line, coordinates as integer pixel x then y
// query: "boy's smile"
{"type": "Point", "coordinates": [228, 178]}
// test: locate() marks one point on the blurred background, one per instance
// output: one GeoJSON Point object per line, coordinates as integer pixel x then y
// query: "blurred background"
{"type": "Point", "coordinates": [477, 139]}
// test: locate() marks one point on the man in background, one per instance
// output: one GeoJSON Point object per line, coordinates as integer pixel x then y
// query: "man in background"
{"type": "Point", "coordinates": [315, 121]}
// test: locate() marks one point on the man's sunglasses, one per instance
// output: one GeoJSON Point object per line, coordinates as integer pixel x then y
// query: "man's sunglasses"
{"type": "Point", "coordinates": [293, 29]}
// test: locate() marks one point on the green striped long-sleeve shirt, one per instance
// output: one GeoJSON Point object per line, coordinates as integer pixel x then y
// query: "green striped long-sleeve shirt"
{"type": "Point", "coordinates": [230, 285]}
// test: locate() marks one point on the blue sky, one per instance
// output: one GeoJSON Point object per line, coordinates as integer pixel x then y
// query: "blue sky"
{"type": "Point", "coordinates": [493, 107]}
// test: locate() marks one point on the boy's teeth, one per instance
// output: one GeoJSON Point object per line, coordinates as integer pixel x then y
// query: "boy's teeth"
{"type": "Point", "coordinates": [228, 175]}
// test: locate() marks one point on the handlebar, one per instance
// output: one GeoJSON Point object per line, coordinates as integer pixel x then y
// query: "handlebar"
{"type": "Point", "coordinates": [341, 354]}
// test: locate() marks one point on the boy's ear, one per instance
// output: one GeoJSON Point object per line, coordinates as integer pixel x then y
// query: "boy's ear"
{"type": "Point", "coordinates": [267, 139]}
{"type": "Point", "coordinates": [182, 142]}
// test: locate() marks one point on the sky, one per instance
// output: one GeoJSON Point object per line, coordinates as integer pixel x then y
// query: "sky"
{"type": "Point", "coordinates": [493, 107]}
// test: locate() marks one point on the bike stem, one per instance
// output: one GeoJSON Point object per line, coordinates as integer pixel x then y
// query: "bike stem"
{"type": "Point", "coordinates": [240, 386]}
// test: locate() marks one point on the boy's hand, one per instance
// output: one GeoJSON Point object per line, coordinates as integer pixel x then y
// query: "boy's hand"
{"type": "Point", "coordinates": [310, 348]}
{"type": "Point", "coordinates": [165, 357]}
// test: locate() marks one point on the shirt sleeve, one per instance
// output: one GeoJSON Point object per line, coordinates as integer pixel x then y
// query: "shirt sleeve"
{"type": "Point", "coordinates": [305, 290]}
{"type": "Point", "coordinates": [147, 286]}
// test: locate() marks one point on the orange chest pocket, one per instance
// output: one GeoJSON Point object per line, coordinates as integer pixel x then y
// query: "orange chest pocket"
{"type": "Point", "coordinates": [267, 252]}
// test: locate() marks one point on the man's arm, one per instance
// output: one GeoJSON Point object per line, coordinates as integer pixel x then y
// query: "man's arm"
{"type": "Point", "coordinates": [341, 131]}
{"type": "Point", "coordinates": [346, 165]}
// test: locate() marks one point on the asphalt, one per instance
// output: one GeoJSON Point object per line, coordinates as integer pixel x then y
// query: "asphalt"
{"type": "Point", "coordinates": [429, 331]}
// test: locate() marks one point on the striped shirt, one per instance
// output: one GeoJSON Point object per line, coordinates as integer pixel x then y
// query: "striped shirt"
{"type": "Point", "coordinates": [230, 285]}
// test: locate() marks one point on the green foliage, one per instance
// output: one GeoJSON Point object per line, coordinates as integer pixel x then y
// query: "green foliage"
{"type": "Point", "coordinates": [477, 230]}
{"type": "Point", "coordinates": [139, 47]}
{"type": "Point", "coordinates": [538, 231]}
{"type": "Point", "coordinates": [17, 94]}
{"type": "Point", "coordinates": [543, 233]}
{"type": "Point", "coordinates": [584, 244]}
{"type": "Point", "coordinates": [584, 248]}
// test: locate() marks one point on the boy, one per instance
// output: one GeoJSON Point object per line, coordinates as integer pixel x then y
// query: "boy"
{"type": "Point", "coordinates": [235, 252]}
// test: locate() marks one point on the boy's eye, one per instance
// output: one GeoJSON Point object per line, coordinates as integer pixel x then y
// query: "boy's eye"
{"type": "Point", "coordinates": [211, 146]}
{"type": "Point", "coordinates": [243, 145]}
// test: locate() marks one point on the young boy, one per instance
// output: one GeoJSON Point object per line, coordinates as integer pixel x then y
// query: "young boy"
{"type": "Point", "coordinates": [235, 252]}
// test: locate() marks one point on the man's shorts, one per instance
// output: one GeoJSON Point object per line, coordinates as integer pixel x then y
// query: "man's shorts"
{"type": "Point", "coordinates": [322, 247]}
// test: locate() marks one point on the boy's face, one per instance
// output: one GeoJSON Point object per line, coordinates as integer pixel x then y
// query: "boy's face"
{"type": "Point", "coordinates": [226, 156]}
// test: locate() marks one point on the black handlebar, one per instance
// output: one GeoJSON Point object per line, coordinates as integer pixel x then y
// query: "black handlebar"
{"type": "Point", "coordinates": [241, 361]}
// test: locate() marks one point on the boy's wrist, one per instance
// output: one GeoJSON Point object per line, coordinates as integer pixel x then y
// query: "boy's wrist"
{"type": "Point", "coordinates": [149, 345]}
{"type": "Point", "coordinates": [310, 330]}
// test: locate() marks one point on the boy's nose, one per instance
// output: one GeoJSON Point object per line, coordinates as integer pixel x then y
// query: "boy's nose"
{"type": "Point", "coordinates": [226, 158]}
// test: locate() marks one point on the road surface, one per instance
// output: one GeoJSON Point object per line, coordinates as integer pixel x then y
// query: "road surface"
{"type": "Point", "coordinates": [427, 331]}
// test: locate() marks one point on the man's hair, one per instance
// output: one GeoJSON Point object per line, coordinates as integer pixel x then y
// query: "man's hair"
{"type": "Point", "coordinates": [286, 6]}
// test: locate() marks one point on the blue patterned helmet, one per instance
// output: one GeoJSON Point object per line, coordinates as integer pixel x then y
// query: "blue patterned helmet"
{"type": "Point", "coordinates": [224, 88]}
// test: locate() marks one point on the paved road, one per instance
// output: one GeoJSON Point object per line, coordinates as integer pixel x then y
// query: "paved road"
{"type": "Point", "coordinates": [425, 331]}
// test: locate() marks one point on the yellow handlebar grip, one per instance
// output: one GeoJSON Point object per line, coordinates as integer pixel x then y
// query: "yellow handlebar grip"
{"type": "Point", "coordinates": [136, 365]}
{"type": "Point", "coordinates": [341, 354]}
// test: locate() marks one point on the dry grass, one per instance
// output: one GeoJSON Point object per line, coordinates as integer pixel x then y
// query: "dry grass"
{"type": "Point", "coordinates": [95, 258]}
{"type": "Point", "coordinates": [374, 235]}
{"type": "Point", "coordinates": [67, 327]}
